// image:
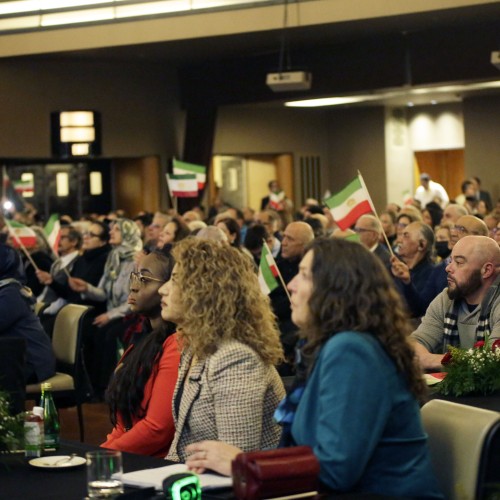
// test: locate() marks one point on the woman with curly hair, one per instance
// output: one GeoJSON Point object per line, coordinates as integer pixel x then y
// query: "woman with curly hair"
{"type": "Point", "coordinates": [140, 392]}
{"type": "Point", "coordinates": [358, 408]}
{"type": "Point", "coordinates": [227, 387]}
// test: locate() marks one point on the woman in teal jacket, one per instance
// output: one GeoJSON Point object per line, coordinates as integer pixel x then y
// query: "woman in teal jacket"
{"type": "Point", "coordinates": [358, 399]}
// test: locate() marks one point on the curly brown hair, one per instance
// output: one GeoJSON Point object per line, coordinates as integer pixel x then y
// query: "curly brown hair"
{"type": "Point", "coordinates": [221, 300]}
{"type": "Point", "coordinates": [352, 291]}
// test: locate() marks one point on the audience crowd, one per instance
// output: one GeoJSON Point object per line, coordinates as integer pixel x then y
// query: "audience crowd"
{"type": "Point", "coordinates": [188, 350]}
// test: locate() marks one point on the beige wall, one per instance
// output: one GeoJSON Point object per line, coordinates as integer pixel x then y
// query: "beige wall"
{"type": "Point", "coordinates": [345, 140]}
{"type": "Point", "coordinates": [356, 142]}
{"type": "Point", "coordinates": [482, 141]}
{"type": "Point", "coordinates": [257, 130]}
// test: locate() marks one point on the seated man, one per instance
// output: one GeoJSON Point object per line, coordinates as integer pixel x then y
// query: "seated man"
{"type": "Point", "coordinates": [416, 264]}
{"type": "Point", "coordinates": [18, 320]}
{"type": "Point", "coordinates": [469, 309]}
{"type": "Point", "coordinates": [370, 231]}
{"type": "Point", "coordinates": [420, 298]}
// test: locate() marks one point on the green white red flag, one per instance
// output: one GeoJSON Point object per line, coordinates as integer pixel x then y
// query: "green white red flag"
{"type": "Point", "coordinates": [21, 235]}
{"type": "Point", "coordinates": [182, 186]}
{"type": "Point", "coordinates": [182, 168]}
{"type": "Point", "coordinates": [268, 271]}
{"type": "Point", "coordinates": [52, 232]}
{"type": "Point", "coordinates": [349, 204]}
{"type": "Point", "coordinates": [24, 188]}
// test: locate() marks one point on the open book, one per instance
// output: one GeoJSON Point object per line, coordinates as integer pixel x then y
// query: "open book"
{"type": "Point", "coordinates": [155, 477]}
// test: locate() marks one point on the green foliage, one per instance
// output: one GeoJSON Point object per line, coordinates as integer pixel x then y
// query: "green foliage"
{"type": "Point", "coordinates": [475, 370]}
{"type": "Point", "coordinates": [11, 427]}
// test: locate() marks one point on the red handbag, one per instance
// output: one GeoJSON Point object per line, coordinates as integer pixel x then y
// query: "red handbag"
{"type": "Point", "coordinates": [274, 473]}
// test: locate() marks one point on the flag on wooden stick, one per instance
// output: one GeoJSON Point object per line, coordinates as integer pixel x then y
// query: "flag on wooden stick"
{"type": "Point", "coordinates": [21, 235]}
{"type": "Point", "coordinates": [268, 271]}
{"type": "Point", "coordinates": [349, 204]}
{"type": "Point", "coordinates": [52, 231]}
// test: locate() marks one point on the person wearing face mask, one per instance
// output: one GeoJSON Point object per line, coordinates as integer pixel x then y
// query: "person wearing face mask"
{"type": "Point", "coordinates": [443, 238]}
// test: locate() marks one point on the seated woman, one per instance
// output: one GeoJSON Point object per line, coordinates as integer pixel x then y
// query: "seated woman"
{"type": "Point", "coordinates": [359, 407]}
{"type": "Point", "coordinates": [113, 287]}
{"type": "Point", "coordinates": [173, 231]}
{"type": "Point", "coordinates": [18, 320]}
{"type": "Point", "coordinates": [228, 387]}
{"type": "Point", "coordinates": [140, 392]}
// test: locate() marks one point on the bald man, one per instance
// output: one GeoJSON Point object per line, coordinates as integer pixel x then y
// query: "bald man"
{"type": "Point", "coordinates": [469, 309]}
{"type": "Point", "coordinates": [296, 237]}
{"type": "Point", "coordinates": [419, 298]}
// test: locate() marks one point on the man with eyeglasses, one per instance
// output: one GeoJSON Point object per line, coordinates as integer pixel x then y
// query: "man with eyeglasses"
{"type": "Point", "coordinates": [369, 230]}
{"type": "Point", "coordinates": [468, 310]}
{"type": "Point", "coordinates": [88, 266]}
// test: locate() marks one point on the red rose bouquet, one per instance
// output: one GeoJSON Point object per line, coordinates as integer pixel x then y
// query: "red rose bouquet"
{"type": "Point", "coordinates": [475, 370]}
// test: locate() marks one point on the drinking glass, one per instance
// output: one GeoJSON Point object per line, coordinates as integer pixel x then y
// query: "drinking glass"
{"type": "Point", "coordinates": [104, 473]}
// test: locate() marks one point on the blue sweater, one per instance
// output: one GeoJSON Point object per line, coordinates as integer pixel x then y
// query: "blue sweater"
{"type": "Point", "coordinates": [363, 423]}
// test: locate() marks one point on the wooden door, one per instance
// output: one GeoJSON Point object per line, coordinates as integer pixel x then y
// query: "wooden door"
{"type": "Point", "coordinates": [137, 184]}
{"type": "Point", "coordinates": [444, 166]}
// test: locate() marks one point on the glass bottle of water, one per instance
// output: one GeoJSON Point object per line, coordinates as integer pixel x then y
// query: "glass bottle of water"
{"type": "Point", "coordinates": [50, 419]}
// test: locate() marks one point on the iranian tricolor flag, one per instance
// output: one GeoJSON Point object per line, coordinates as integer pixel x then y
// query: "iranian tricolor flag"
{"type": "Point", "coordinates": [52, 231]}
{"type": "Point", "coordinates": [24, 188]}
{"type": "Point", "coordinates": [182, 168]}
{"type": "Point", "coordinates": [268, 271]}
{"type": "Point", "coordinates": [21, 235]}
{"type": "Point", "coordinates": [350, 204]}
{"type": "Point", "coordinates": [182, 186]}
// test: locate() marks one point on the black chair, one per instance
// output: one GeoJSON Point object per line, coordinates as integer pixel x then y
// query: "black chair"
{"type": "Point", "coordinates": [70, 385]}
{"type": "Point", "coordinates": [12, 361]}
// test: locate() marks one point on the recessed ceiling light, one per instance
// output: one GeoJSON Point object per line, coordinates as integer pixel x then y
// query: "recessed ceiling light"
{"type": "Point", "coordinates": [410, 104]}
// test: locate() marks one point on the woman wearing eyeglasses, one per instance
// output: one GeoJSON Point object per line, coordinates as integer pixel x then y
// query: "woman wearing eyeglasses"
{"type": "Point", "coordinates": [140, 392]}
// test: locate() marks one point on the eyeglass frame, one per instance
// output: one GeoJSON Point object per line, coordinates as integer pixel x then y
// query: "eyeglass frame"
{"type": "Point", "coordinates": [90, 234]}
{"type": "Point", "coordinates": [139, 277]}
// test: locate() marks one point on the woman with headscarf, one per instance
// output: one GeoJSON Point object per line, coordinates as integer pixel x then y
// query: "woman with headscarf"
{"type": "Point", "coordinates": [113, 288]}
{"type": "Point", "coordinates": [18, 320]}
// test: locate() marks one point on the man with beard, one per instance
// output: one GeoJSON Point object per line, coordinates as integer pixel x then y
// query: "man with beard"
{"type": "Point", "coordinates": [469, 309]}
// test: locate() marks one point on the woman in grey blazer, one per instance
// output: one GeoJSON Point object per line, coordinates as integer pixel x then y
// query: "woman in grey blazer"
{"type": "Point", "coordinates": [228, 387]}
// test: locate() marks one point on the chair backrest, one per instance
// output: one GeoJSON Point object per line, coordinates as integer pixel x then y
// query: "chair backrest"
{"type": "Point", "coordinates": [457, 437]}
{"type": "Point", "coordinates": [67, 331]}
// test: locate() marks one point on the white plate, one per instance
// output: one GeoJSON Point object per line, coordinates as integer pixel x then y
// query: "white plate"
{"type": "Point", "coordinates": [51, 462]}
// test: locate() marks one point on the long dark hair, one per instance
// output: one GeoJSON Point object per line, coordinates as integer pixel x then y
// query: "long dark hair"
{"type": "Point", "coordinates": [126, 388]}
{"type": "Point", "coordinates": [352, 291]}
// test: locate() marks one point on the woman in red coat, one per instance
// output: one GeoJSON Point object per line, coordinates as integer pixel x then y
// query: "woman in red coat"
{"type": "Point", "coordinates": [140, 392]}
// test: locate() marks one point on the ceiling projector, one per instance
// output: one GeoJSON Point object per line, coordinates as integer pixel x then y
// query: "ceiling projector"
{"type": "Point", "coordinates": [289, 80]}
{"type": "Point", "coordinates": [495, 58]}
